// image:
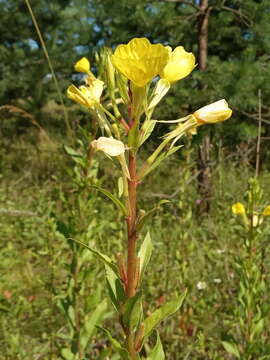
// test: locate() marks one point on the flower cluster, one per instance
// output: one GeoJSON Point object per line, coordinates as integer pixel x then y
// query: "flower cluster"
{"type": "Point", "coordinates": [129, 72]}
{"type": "Point", "coordinates": [257, 217]}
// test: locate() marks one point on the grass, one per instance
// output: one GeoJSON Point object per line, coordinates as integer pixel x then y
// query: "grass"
{"type": "Point", "coordinates": [37, 192]}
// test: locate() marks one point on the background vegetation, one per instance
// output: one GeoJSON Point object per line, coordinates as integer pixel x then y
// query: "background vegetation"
{"type": "Point", "coordinates": [44, 201]}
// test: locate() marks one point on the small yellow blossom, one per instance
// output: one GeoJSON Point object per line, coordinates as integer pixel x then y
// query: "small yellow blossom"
{"type": "Point", "coordinates": [180, 64]}
{"type": "Point", "coordinates": [109, 146]}
{"type": "Point", "coordinates": [139, 60]}
{"type": "Point", "coordinates": [238, 209]}
{"type": "Point", "coordinates": [213, 113]}
{"type": "Point", "coordinates": [83, 65]}
{"type": "Point", "coordinates": [266, 211]}
{"type": "Point", "coordinates": [86, 95]}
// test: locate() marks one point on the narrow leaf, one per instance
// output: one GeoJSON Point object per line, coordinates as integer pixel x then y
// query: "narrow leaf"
{"type": "Point", "coordinates": [145, 253]}
{"type": "Point", "coordinates": [116, 345]}
{"type": "Point", "coordinates": [157, 353]}
{"type": "Point", "coordinates": [104, 258]}
{"type": "Point", "coordinates": [166, 310]}
{"type": "Point", "coordinates": [162, 157]}
{"type": "Point", "coordinates": [146, 130]}
{"type": "Point", "coordinates": [90, 322]}
{"type": "Point", "coordinates": [133, 311]}
{"type": "Point", "coordinates": [115, 288]}
{"type": "Point", "coordinates": [114, 199]}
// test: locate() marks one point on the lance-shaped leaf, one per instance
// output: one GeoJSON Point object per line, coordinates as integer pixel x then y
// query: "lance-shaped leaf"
{"type": "Point", "coordinates": [90, 322]}
{"type": "Point", "coordinates": [160, 90]}
{"type": "Point", "coordinates": [116, 345]}
{"type": "Point", "coordinates": [158, 161]}
{"type": "Point", "coordinates": [145, 253]}
{"type": "Point", "coordinates": [102, 257]}
{"type": "Point", "coordinates": [146, 130]}
{"type": "Point", "coordinates": [162, 313]}
{"type": "Point", "coordinates": [115, 288]}
{"type": "Point", "coordinates": [157, 353]}
{"type": "Point", "coordinates": [132, 312]}
{"type": "Point", "coordinates": [114, 199]}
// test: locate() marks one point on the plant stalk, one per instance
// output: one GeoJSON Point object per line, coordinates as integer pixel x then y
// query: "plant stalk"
{"type": "Point", "coordinates": [131, 228]}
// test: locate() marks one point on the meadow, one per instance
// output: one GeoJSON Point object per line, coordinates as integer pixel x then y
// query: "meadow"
{"type": "Point", "coordinates": [134, 180]}
{"type": "Point", "coordinates": [40, 210]}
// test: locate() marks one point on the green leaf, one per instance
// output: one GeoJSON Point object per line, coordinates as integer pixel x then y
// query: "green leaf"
{"type": "Point", "coordinates": [115, 288]}
{"type": "Point", "coordinates": [146, 130]}
{"type": "Point", "coordinates": [90, 322]}
{"type": "Point", "coordinates": [231, 348]}
{"type": "Point", "coordinates": [114, 199]}
{"type": "Point", "coordinates": [132, 312]}
{"type": "Point", "coordinates": [157, 353]}
{"type": "Point", "coordinates": [166, 310]}
{"type": "Point", "coordinates": [77, 157]}
{"type": "Point", "coordinates": [71, 152]}
{"type": "Point", "coordinates": [116, 345]}
{"type": "Point", "coordinates": [145, 253]}
{"type": "Point", "coordinates": [67, 354]}
{"type": "Point", "coordinates": [104, 258]}
{"type": "Point", "coordinates": [162, 157]}
{"type": "Point", "coordinates": [160, 90]}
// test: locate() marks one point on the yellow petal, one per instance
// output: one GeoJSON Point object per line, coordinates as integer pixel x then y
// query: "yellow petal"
{"type": "Point", "coordinates": [139, 60]}
{"type": "Point", "coordinates": [86, 95]}
{"type": "Point", "coordinates": [266, 211]}
{"type": "Point", "coordinates": [109, 146]}
{"type": "Point", "coordinates": [83, 65]}
{"type": "Point", "coordinates": [238, 209]}
{"type": "Point", "coordinates": [77, 95]}
{"type": "Point", "coordinates": [215, 112]}
{"type": "Point", "coordinates": [180, 65]}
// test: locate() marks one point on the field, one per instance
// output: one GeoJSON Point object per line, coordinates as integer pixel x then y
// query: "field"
{"type": "Point", "coordinates": [42, 205]}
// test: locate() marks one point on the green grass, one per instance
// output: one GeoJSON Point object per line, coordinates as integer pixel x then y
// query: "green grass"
{"type": "Point", "coordinates": [36, 191]}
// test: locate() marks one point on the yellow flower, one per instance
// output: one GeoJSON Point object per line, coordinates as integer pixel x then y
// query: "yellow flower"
{"type": "Point", "coordinates": [139, 60]}
{"type": "Point", "coordinates": [86, 95]}
{"type": "Point", "coordinates": [266, 211]}
{"type": "Point", "coordinates": [109, 146]}
{"type": "Point", "coordinates": [238, 209]}
{"type": "Point", "coordinates": [215, 112]}
{"type": "Point", "coordinates": [83, 65]}
{"type": "Point", "coordinates": [180, 65]}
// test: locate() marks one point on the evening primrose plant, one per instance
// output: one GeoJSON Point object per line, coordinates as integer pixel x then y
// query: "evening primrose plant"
{"type": "Point", "coordinates": [136, 76]}
{"type": "Point", "coordinates": [248, 340]}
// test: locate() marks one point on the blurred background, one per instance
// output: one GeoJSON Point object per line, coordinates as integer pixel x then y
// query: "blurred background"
{"type": "Point", "coordinates": [42, 199]}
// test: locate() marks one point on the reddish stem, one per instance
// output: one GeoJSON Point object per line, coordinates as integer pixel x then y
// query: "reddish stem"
{"type": "Point", "coordinates": [131, 226]}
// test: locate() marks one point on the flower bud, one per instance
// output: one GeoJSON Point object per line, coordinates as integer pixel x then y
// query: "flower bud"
{"type": "Point", "coordinates": [213, 113]}
{"type": "Point", "coordinates": [109, 146]}
{"type": "Point", "coordinates": [238, 209]}
{"type": "Point", "coordinates": [256, 220]}
{"type": "Point", "coordinates": [83, 65]}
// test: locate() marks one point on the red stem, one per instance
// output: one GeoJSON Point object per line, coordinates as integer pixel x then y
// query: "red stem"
{"type": "Point", "coordinates": [131, 226]}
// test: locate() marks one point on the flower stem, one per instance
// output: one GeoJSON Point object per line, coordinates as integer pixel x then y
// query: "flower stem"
{"type": "Point", "coordinates": [131, 227]}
